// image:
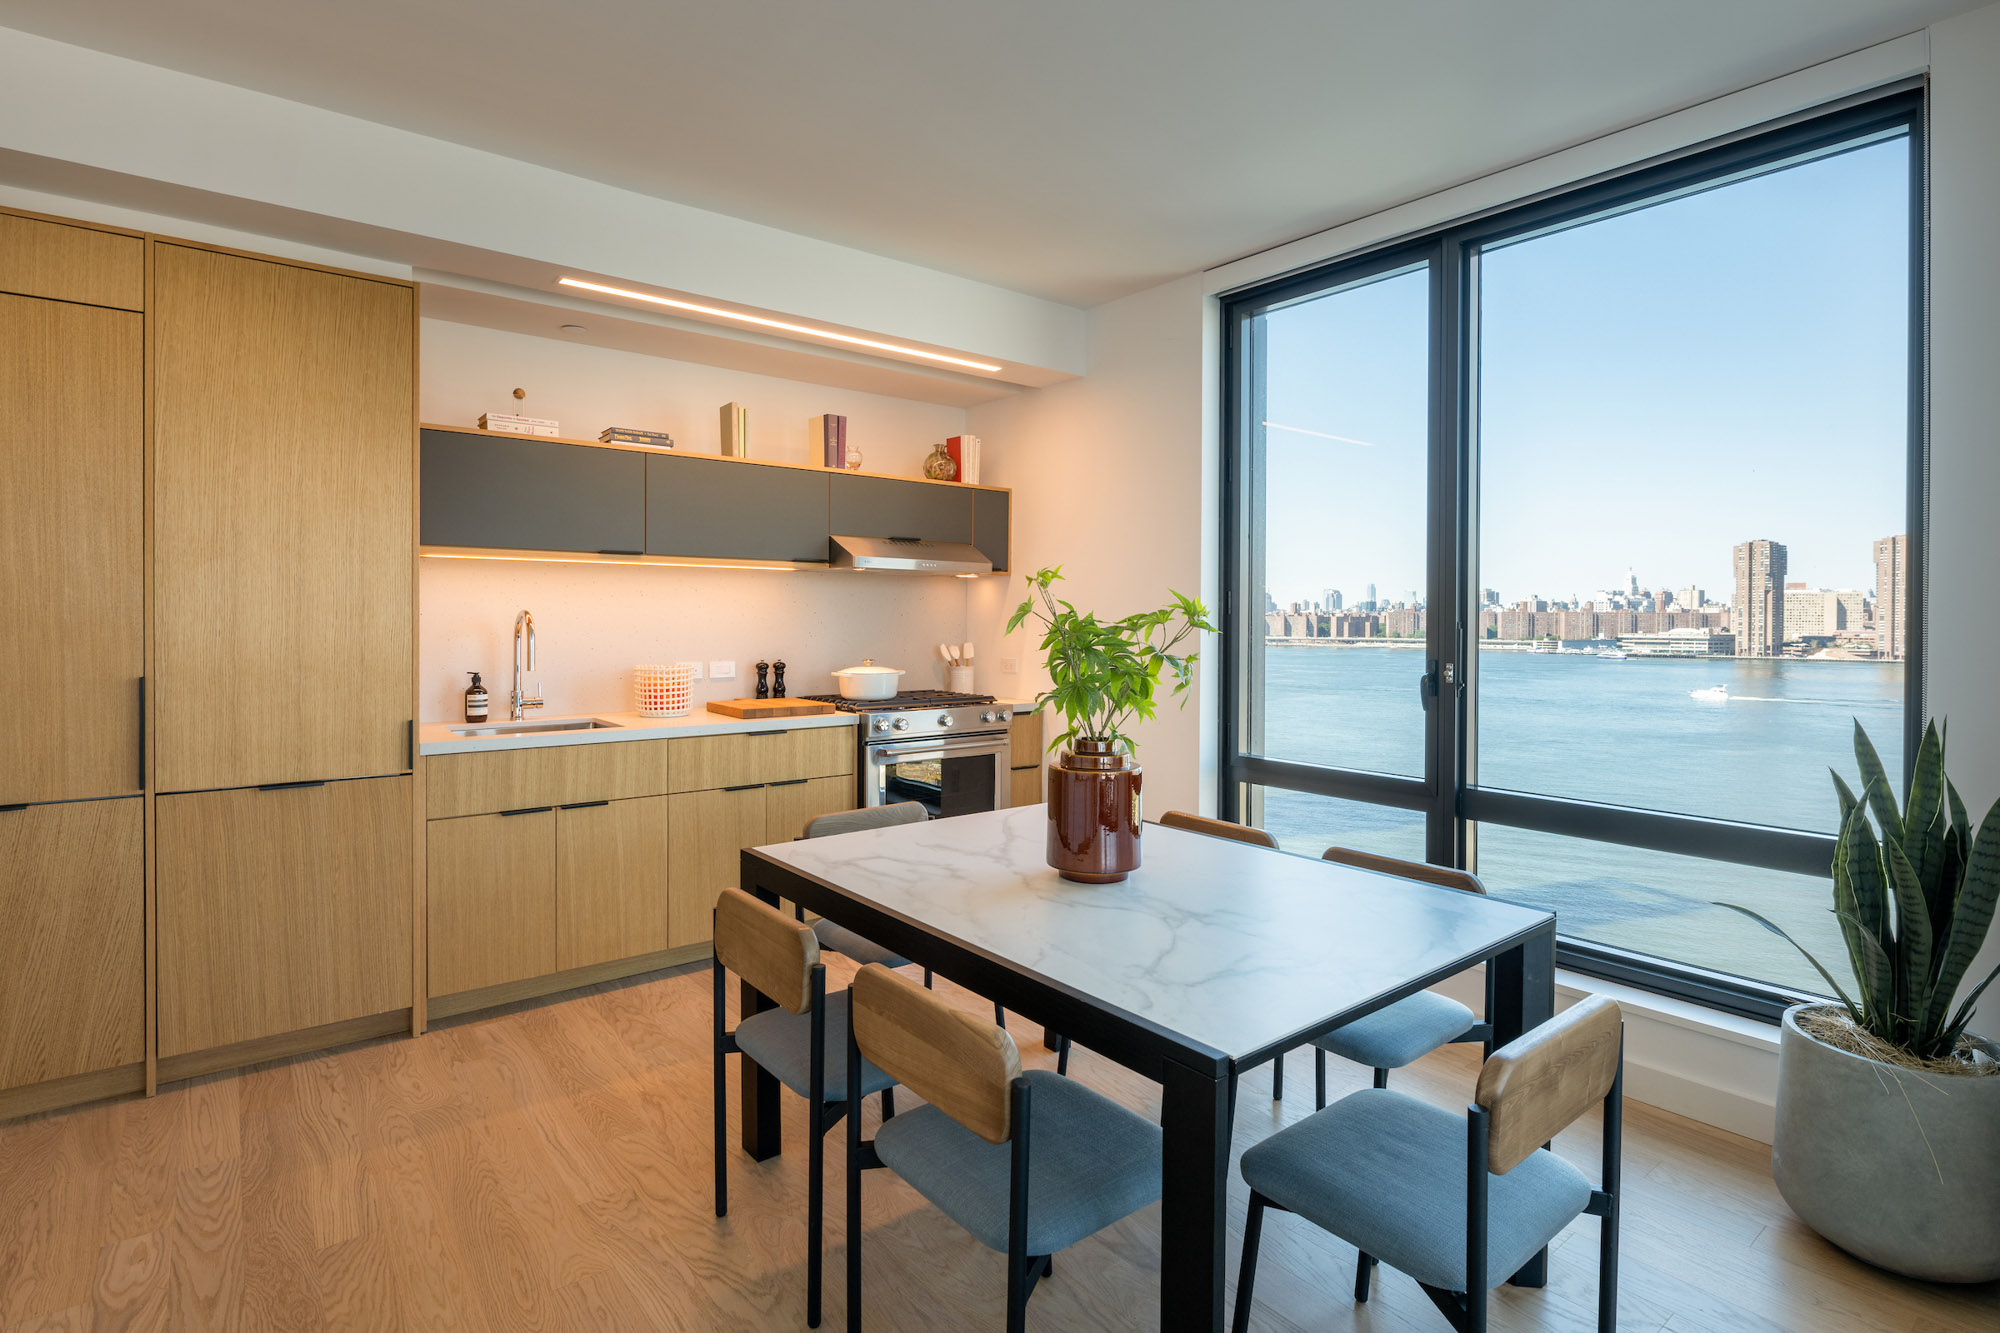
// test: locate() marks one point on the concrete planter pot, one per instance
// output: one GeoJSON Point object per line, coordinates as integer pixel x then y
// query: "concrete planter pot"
{"type": "Point", "coordinates": [1853, 1158]}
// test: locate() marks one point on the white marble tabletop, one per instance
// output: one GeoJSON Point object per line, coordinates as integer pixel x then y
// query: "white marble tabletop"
{"type": "Point", "coordinates": [1229, 945]}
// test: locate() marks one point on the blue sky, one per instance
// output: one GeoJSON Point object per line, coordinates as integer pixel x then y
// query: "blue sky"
{"type": "Point", "coordinates": [1655, 387]}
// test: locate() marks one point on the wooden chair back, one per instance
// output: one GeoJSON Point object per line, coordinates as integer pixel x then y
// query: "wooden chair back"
{"type": "Point", "coordinates": [959, 1064]}
{"type": "Point", "coordinates": [766, 948]}
{"type": "Point", "coordinates": [1217, 828]}
{"type": "Point", "coordinates": [873, 816]}
{"type": "Point", "coordinates": [1443, 876]}
{"type": "Point", "coordinates": [1536, 1085]}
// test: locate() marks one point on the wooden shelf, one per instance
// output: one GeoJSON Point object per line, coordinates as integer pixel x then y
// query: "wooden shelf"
{"type": "Point", "coordinates": [693, 453]}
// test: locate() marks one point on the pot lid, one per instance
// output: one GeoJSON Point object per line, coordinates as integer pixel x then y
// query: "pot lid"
{"type": "Point", "coordinates": [868, 668]}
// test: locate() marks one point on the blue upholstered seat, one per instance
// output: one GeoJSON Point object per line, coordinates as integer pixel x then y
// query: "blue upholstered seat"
{"type": "Point", "coordinates": [858, 947]}
{"type": "Point", "coordinates": [781, 1042]}
{"type": "Point", "coordinates": [1386, 1173]}
{"type": "Point", "coordinates": [1400, 1034]}
{"type": "Point", "coordinates": [1090, 1162]}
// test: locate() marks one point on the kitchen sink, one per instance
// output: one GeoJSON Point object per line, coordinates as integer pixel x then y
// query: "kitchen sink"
{"type": "Point", "coordinates": [539, 727]}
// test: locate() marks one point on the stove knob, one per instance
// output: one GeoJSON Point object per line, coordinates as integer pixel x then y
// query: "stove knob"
{"type": "Point", "coordinates": [945, 720]}
{"type": "Point", "coordinates": [902, 724]}
{"type": "Point", "coordinates": [881, 724]}
{"type": "Point", "coordinates": [1005, 715]}
{"type": "Point", "coordinates": [986, 716]}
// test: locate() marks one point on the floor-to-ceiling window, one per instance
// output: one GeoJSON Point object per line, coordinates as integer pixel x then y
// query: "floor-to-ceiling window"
{"type": "Point", "coordinates": [1570, 544]}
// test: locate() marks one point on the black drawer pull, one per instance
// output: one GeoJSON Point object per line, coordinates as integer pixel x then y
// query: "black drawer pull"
{"type": "Point", "coordinates": [748, 786]}
{"type": "Point", "coordinates": [288, 786]}
{"type": "Point", "coordinates": [582, 805]}
{"type": "Point", "coordinates": [10, 809]}
{"type": "Point", "coordinates": [786, 732]}
{"type": "Point", "coordinates": [607, 550]}
{"type": "Point", "coordinates": [790, 782]}
{"type": "Point", "coordinates": [529, 810]}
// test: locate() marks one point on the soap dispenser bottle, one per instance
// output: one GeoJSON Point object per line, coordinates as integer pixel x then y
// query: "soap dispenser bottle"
{"type": "Point", "coordinates": [475, 699]}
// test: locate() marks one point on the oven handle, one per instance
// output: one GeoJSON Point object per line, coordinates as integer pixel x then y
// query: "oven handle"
{"type": "Point", "coordinates": [890, 753]}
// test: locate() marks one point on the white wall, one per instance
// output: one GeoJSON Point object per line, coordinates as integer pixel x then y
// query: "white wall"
{"type": "Point", "coordinates": [595, 622]}
{"type": "Point", "coordinates": [1108, 473]}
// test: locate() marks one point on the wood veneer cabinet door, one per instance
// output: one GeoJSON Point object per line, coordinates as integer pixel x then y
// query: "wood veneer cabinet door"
{"type": "Point", "coordinates": [72, 958]}
{"type": "Point", "coordinates": [281, 910]}
{"type": "Point", "coordinates": [707, 831]}
{"type": "Point", "coordinates": [72, 495]}
{"type": "Point", "coordinates": [611, 881]}
{"type": "Point", "coordinates": [790, 806]}
{"type": "Point", "coordinates": [65, 263]}
{"type": "Point", "coordinates": [282, 440]}
{"type": "Point", "coordinates": [492, 896]}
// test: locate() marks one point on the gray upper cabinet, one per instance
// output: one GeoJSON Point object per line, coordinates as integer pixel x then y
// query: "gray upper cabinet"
{"type": "Point", "coordinates": [886, 507]}
{"type": "Point", "coordinates": [990, 525]}
{"type": "Point", "coordinates": [732, 511]}
{"type": "Point", "coordinates": [533, 495]}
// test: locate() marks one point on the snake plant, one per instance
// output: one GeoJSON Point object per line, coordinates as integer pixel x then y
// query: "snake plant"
{"type": "Point", "coordinates": [1914, 900]}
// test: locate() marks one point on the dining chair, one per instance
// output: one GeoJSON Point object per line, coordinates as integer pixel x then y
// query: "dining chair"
{"type": "Point", "coordinates": [1028, 1163]}
{"type": "Point", "coordinates": [1217, 828]}
{"type": "Point", "coordinates": [799, 1042]}
{"type": "Point", "coordinates": [1459, 1204]}
{"type": "Point", "coordinates": [1414, 1026]}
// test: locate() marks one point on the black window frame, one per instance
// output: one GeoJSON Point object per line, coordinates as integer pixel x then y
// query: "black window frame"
{"type": "Point", "coordinates": [1451, 803]}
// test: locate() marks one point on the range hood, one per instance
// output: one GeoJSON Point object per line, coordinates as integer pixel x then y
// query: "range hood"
{"type": "Point", "coordinates": [908, 555]}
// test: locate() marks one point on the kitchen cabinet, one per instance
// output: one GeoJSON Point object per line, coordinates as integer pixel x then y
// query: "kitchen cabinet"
{"type": "Point", "coordinates": [613, 863]}
{"type": "Point", "coordinates": [87, 265]}
{"type": "Point", "coordinates": [492, 490]}
{"type": "Point", "coordinates": [992, 526]}
{"type": "Point", "coordinates": [754, 758]}
{"type": "Point", "coordinates": [890, 507]}
{"type": "Point", "coordinates": [549, 775]}
{"type": "Point", "coordinates": [72, 512]}
{"type": "Point", "coordinates": [720, 509]}
{"type": "Point", "coordinates": [283, 423]}
{"type": "Point", "coordinates": [1025, 759]}
{"type": "Point", "coordinates": [492, 887]}
{"type": "Point", "coordinates": [72, 953]}
{"type": "Point", "coordinates": [281, 909]}
{"type": "Point", "coordinates": [790, 806]}
{"type": "Point", "coordinates": [707, 831]}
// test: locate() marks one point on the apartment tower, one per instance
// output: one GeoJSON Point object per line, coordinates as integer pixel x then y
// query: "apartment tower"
{"type": "Point", "coordinates": [1892, 572]}
{"type": "Point", "coordinates": [1758, 614]}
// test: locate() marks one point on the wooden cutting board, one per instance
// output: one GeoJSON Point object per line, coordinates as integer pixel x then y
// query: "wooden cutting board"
{"type": "Point", "coordinates": [761, 708]}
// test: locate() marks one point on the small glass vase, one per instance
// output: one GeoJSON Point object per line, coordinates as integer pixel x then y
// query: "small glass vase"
{"type": "Point", "coordinates": [941, 466]}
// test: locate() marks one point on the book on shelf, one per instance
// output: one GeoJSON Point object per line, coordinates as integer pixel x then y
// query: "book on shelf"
{"type": "Point", "coordinates": [735, 430]}
{"type": "Point", "coordinates": [634, 435]}
{"type": "Point", "coordinates": [518, 425]}
{"type": "Point", "coordinates": [826, 440]}
{"type": "Point", "coordinates": [964, 451]}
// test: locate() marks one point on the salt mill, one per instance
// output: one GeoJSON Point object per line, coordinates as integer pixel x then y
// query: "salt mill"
{"type": "Point", "coordinates": [763, 681]}
{"type": "Point", "coordinates": [778, 683]}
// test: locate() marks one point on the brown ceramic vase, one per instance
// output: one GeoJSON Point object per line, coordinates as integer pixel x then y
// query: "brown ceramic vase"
{"type": "Point", "coordinates": [1094, 817]}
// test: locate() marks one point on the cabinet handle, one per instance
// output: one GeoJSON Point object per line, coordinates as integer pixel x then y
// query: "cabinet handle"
{"type": "Point", "coordinates": [529, 810]}
{"type": "Point", "coordinates": [749, 786]}
{"type": "Point", "coordinates": [142, 733]}
{"type": "Point", "coordinates": [288, 786]}
{"type": "Point", "coordinates": [410, 746]}
{"type": "Point", "coordinates": [789, 782]}
{"type": "Point", "coordinates": [582, 805]}
{"type": "Point", "coordinates": [613, 551]}
{"type": "Point", "coordinates": [786, 732]}
{"type": "Point", "coordinates": [10, 809]}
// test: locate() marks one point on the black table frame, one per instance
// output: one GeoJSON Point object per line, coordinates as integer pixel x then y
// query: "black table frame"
{"type": "Point", "coordinates": [1194, 1078]}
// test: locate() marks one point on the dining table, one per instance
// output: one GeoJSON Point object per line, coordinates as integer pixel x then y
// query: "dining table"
{"type": "Point", "coordinates": [1211, 958]}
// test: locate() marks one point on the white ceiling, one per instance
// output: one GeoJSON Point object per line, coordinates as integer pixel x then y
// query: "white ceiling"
{"type": "Point", "coordinates": [1072, 149]}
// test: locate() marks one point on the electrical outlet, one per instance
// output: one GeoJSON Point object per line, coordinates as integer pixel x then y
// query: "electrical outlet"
{"type": "Point", "coordinates": [722, 671]}
{"type": "Point", "coordinates": [694, 670]}
{"type": "Point", "coordinates": [1010, 666]}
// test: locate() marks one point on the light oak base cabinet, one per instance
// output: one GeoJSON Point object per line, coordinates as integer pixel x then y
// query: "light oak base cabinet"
{"type": "Point", "coordinates": [612, 872]}
{"type": "Point", "coordinates": [281, 909]}
{"type": "Point", "coordinates": [492, 890]}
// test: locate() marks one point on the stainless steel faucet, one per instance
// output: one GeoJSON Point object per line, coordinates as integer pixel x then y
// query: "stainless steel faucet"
{"type": "Point", "coordinates": [524, 626]}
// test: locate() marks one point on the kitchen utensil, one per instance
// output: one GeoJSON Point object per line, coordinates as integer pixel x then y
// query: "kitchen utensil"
{"type": "Point", "coordinates": [965, 654]}
{"type": "Point", "coordinates": [756, 708]}
{"type": "Point", "coordinates": [958, 679]}
{"type": "Point", "coordinates": [868, 681]}
{"type": "Point", "coordinates": [945, 652]}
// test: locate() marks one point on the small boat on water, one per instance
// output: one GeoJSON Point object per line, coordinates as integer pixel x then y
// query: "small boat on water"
{"type": "Point", "coordinates": [1714, 694]}
{"type": "Point", "coordinates": [1613, 655]}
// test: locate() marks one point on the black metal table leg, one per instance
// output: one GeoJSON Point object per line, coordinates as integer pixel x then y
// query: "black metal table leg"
{"type": "Point", "coordinates": [1520, 995]}
{"type": "Point", "coordinates": [1194, 1196]}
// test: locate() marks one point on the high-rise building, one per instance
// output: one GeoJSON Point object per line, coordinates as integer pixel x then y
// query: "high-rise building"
{"type": "Point", "coordinates": [1759, 619]}
{"type": "Point", "coordinates": [1892, 574]}
{"type": "Point", "coordinates": [1371, 597]}
{"type": "Point", "coordinates": [1690, 597]}
{"type": "Point", "coordinates": [1333, 602]}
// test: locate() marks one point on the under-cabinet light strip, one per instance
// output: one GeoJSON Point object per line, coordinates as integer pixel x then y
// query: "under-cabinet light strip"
{"type": "Point", "coordinates": [779, 324]}
{"type": "Point", "coordinates": [663, 562]}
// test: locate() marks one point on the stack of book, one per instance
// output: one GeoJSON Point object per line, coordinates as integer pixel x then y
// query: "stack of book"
{"type": "Point", "coordinates": [826, 440]}
{"type": "Point", "coordinates": [658, 439]}
{"type": "Point", "coordinates": [518, 425]}
{"type": "Point", "coordinates": [735, 430]}
{"type": "Point", "coordinates": [964, 451]}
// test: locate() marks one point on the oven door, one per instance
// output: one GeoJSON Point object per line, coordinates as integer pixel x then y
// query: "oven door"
{"type": "Point", "coordinates": [948, 776]}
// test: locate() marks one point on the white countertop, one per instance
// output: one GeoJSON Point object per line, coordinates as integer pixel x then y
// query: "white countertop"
{"type": "Point", "coordinates": [1232, 945]}
{"type": "Point", "coordinates": [439, 738]}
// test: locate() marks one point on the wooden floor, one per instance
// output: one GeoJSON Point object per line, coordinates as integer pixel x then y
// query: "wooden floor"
{"type": "Point", "coordinates": [548, 1168]}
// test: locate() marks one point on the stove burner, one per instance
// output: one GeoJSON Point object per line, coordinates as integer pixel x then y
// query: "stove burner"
{"type": "Point", "coordinates": [906, 700]}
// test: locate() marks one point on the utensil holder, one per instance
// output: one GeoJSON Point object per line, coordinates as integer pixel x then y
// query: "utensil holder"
{"type": "Point", "coordinates": [958, 679]}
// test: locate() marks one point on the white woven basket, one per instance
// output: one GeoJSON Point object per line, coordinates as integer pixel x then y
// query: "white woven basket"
{"type": "Point", "coordinates": [662, 691]}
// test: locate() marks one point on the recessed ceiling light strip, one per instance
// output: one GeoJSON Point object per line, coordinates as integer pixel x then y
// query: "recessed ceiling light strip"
{"type": "Point", "coordinates": [781, 325]}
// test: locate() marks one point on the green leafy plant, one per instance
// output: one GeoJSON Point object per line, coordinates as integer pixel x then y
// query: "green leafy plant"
{"type": "Point", "coordinates": [1914, 901]}
{"type": "Point", "coordinates": [1104, 674]}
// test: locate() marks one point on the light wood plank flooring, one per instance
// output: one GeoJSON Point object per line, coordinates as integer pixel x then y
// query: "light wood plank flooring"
{"type": "Point", "coordinates": [548, 1168]}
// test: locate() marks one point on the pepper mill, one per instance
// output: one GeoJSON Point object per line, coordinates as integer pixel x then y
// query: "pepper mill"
{"type": "Point", "coordinates": [778, 684]}
{"type": "Point", "coordinates": [763, 683]}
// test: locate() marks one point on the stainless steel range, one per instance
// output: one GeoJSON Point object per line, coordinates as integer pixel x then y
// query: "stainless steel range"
{"type": "Point", "coordinates": [945, 750]}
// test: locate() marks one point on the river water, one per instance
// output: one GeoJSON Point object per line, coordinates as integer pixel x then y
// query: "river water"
{"type": "Point", "coordinates": [1625, 732]}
